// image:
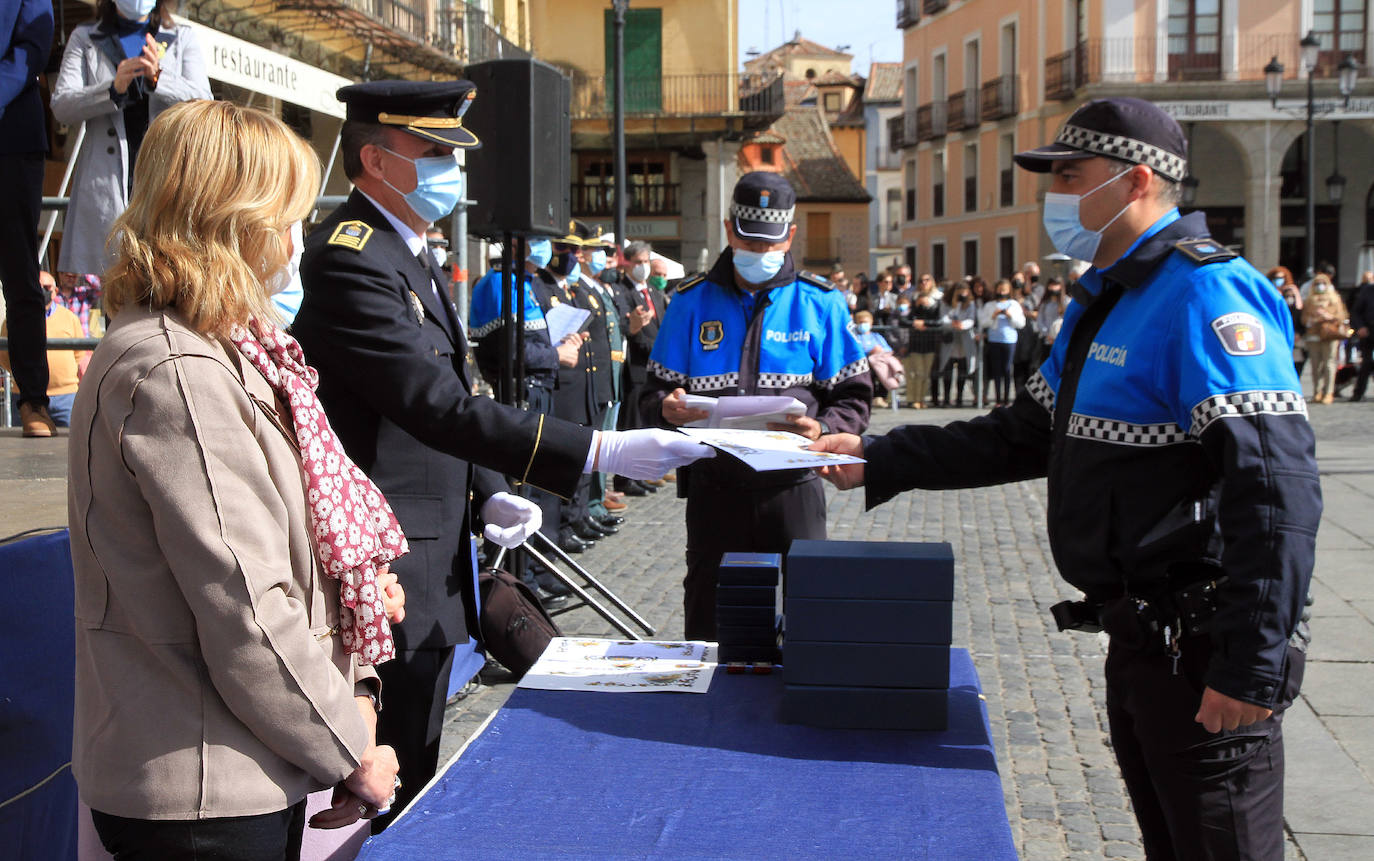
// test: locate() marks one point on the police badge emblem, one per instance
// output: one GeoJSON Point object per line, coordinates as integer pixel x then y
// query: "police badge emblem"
{"type": "Point", "coordinates": [711, 334]}
{"type": "Point", "coordinates": [418, 307]}
{"type": "Point", "coordinates": [1240, 334]}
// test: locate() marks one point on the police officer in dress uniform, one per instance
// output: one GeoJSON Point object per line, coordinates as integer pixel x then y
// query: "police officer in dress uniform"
{"type": "Point", "coordinates": [753, 325]}
{"type": "Point", "coordinates": [1183, 493]}
{"type": "Point", "coordinates": [595, 255]}
{"type": "Point", "coordinates": [391, 352]}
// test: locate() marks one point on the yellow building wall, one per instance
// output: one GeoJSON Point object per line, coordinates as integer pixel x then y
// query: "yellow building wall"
{"type": "Point", "coordinates": [849, 140]}
{"type": "Point", "coordinates": [699, 36]}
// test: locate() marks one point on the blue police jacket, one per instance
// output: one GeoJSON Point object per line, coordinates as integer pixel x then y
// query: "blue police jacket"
{"type": "Point", "coordinates": [484, 320]}
{"type": "Point", "coordinates": [788, 338]}
{"type": "Point", "coordinates": [1170, 424]}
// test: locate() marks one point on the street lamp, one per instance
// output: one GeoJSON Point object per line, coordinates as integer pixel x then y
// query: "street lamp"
{"type": "Point", "coordinates": [620, 7]}
{"type": "Point", "coordinates": [1335, 183]}
{"type": "Point", "coordinates": [1348, 73]}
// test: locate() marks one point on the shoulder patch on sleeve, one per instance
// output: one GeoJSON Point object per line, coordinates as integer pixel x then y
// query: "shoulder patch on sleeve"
{"type": "Point", "coordinates": [351, 234]}
{"type": "Point", "coordinates": [1205, 250]}
{"type": "Point", "coordinates": [684, 286]}
{"type": "Point", "coordinates": [1240, 333]}
{"type": "Point", "coordinates": [815, 280]}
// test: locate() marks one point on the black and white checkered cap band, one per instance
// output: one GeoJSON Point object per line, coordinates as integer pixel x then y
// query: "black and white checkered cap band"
{"type": "Point", "coordinates": [1127, 149]}
{"type": "Point", "coordinates": [765, 216]}
{"type": "Point", "coordinates": [1245, 404]}
{"type": "Point", "coordinates": [1124, 433]}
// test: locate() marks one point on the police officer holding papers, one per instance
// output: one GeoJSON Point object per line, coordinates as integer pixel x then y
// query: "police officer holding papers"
{"type": "Point", "coordinates": [1183, 491]}
{"type": "Point", "coordinates": [753, 325]}
{"type": "Point", "coordinates": [378, 324]}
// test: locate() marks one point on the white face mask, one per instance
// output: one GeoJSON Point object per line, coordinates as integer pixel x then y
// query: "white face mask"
{"type": "Point", "coordinates": [285, 283]}
{"type": "Point", "coordinates": [639, 273]}
{"type": "Point", "coordinates": [1066, 230]}
{"type": "Point", "coordinates": [440, 254]}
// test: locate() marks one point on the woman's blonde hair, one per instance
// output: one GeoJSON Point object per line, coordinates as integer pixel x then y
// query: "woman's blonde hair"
{"type": "Point", "coordinates": [216, 188]}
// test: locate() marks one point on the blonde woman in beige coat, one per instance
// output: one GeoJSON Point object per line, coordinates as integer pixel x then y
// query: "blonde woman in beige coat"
{"type": "Point", "coordinates": [1327, 324]}
{"type": "Point", "coordinates": [223, 658]}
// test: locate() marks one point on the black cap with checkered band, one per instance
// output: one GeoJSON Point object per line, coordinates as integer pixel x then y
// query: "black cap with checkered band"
{"type": "Point", "coordinates": [1131, 130]}
{"type": "Point", "coordinates": [763, 206]}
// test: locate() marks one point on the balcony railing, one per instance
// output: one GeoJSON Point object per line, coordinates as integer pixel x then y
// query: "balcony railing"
{"type": "Point", "coordinates": [1000, 98]}
{"type": "Point", "coordinates": [930, 121]}
{"type": "Point", "coordinates": [896, 129]}
{"type": "Point", "coordinates": [681, 96]}
{"type": "Point", "coordinates": [930, 7]}
{"type": "Point", "coordinates": [1150, 59]}
{"type": "Point", "coordinates": [908, 13]}
{"type": "Point", "coordinates": [887, 158]}
{"type": "Point", "coordinates": [465, 31]}
{"type": "Point", "coordinates": [821, 251]}
{"type": "Point", "coordinates": [963, 110]}
{"type": "Point", "coordinates": [401, 17]}
{"type": "Point", "coordinates": [599, 200]}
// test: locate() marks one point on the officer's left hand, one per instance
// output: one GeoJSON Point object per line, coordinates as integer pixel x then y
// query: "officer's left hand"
{"type": "Point", "coordinates": [510, 519]}
{"type": "Point", "coordinates": [1219, 712]}
{"type": "Point", "coordinates": [804, 425]}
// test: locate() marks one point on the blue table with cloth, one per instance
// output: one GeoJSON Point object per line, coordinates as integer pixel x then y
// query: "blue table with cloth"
{"type": "Point", "coordinates": [570, 775]}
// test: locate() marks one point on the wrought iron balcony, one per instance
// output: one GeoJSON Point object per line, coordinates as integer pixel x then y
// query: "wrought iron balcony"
{"type": "Point", "coordinates": [930, 7]}
{"type": "Point", "coordinates": [681, 96]}
{"type": "Point", "coordinates": [908, 13]}
{"type": "Point", "coordinates": [1061, 75]}
{"type": "Point", "coordinates": [963, 110]}
{"type": "Point", "coordinates": [1000, 98]}
{"type": "Point", "coordinates": [930, 121]}
{"type": "Point", "coordinates": [599, 200]}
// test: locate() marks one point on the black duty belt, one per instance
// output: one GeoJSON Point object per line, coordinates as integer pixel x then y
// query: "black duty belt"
{"type": "Point", "coordinates": [1145, 622]}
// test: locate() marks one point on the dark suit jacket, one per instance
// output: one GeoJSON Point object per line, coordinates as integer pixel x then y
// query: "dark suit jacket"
{"type": "Point", "coordinates": [394, 384]}
{"type": "Point", "coordinates": [642, 342]}
{"type": "Point", "coordinates": [25, 40]}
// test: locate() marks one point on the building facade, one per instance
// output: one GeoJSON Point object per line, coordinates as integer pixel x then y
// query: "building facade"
{"type": "Point", "coordinates": [984, 78]}
{"type": "Point", "coordinates": [882, 102]}
{"type": "Point", "coordinates": [687, 109]}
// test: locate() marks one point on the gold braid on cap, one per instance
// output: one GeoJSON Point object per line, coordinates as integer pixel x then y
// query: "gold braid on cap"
{"type": "Point", "coordinates": [420, 122]}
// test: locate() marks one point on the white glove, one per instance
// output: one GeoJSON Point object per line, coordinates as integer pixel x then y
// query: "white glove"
{"type": "Point", "coordinates": [510, 519]}
{"type": "Point", "coordinates": [648, 453]}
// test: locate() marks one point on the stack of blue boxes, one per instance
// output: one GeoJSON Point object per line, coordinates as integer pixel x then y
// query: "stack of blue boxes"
{"type": "Point", "coordinates": [868, 634]}
{"type": "Point", "coordinates": [748, 603]}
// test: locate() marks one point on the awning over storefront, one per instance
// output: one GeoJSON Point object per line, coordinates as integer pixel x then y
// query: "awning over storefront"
{"type": "Point", "coordinates": [243, 64]}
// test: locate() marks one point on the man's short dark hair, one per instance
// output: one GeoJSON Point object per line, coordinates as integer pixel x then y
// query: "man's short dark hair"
{"type": "Point", "coordinates": [355, 135]}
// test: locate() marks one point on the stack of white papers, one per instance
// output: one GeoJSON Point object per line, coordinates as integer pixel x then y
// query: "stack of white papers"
{"type": "Point", "coordinates": [623, 666]}
{"type": "Point", "coordinates": [749, 412]}
{"type": "Point", "coordinates": [767, 450]}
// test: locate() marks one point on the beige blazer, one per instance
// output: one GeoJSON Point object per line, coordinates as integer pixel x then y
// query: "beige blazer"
{"type": "Point", "coordinates": [209, 677]}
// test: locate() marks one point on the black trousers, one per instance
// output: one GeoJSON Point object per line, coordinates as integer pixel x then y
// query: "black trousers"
{"type": "Point", "coordinates": [1366, 366]}
{"type": "Point", "coordinates": [21, 177]}
{"type": "Point", "coordinates": [999, 361]}
{"type": "Point", "coordinates": [948, 375]}
{"type": "Point", "coordinates": [414, 692]}
{"type": "Point", "coordinates": [741, 521]}
{"type": "Point", "coordinates": [1197, 795]}
{"type": "Point", "coordinates": [266, 837]}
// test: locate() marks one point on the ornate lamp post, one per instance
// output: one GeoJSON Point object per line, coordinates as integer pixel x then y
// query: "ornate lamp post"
{"type": "Point", "coordinates": [1273, 85]}
{"type": "Point", "coordinates": [618, 132]}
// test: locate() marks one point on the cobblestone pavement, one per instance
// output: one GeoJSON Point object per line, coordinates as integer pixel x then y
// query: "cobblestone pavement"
{"type": "Point", "coordinates": [1044, 690]}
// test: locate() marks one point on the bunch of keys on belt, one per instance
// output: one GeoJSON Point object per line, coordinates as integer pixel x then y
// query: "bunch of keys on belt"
{"type": "Point", "coordinates": [1171, 646]}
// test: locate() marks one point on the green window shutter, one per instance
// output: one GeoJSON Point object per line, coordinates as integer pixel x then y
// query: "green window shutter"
{"type": "Point", "coordinates": [643, 60]}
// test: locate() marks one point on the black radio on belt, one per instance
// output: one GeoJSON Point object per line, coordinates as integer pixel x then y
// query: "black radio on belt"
{"type": "Point", "coordinates": [1077, 616]}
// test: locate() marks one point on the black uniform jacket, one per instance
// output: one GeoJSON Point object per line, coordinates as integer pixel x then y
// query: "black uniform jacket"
{"type": "Point", "coordinates": [642, 342]}
{"type": "Point", "coordinates": [394, 385]}
{"type": "Point", "coordinates": [600, 371]}
{"type": "Point", "coordinates": [1148, 509]}
{"type": "Point", "coordinates": [573, 398]}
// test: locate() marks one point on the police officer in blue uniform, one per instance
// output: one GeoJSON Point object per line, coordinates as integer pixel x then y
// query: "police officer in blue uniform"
{"type": "Point", "coordinates": [1183, 491]}
{"type": "Point", "coordinates": [378, 325]}
{"type": "Point", "coordinates": [753, 325]}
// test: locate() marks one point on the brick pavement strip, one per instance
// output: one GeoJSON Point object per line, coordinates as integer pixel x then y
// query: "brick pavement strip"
{"type": "Point", "coordinates": [1044, 690]}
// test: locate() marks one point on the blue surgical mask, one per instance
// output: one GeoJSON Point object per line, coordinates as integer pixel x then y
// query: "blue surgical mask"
{"type": "Point", "coordinates": [1066, 230]}
{"type": "Point", "coordinates": [438, 185]}
{"type": "Point", "coordinates": [598, 262]}
{"type": "Point", "coordinates": [756, 267]}
{"type": "Point", "coordinates": [1278, 281]}
{"type": "Point", "coordinates": [134, 10]}
{"type": "Point", "coordinates": [285, 283]}
{"type": "Point", "coordinates": [865, 328]}
{"type": "Point", "coordinates": [541, 252]}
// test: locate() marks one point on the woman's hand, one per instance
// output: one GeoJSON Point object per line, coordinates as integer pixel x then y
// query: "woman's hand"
{"type": "Point", "coordinates": [393, 596]}
{"type": "Point", "coordinates": [127, 70]}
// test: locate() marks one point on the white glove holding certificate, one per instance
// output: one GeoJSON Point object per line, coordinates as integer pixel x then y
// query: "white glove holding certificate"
{"type": "Point", "coordinates": [647, 453]}
{"type": "Point", "coordinates": [510, 519]}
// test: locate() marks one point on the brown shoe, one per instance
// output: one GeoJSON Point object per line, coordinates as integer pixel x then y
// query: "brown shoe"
{"type": "Point", "coordinates": [672, 476]}
{"type": "Point", "coordinates": [36, 421]}
{"type": "Point", "coordinates": [612, 505]}
{"type": "Point", "coordinates": [658, 482]}
{"type": "Point", "coordinates": [614, 496]}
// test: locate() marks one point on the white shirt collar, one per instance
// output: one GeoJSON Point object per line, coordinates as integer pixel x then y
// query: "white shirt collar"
{"type": "Point", "coordinates": [414, 241]}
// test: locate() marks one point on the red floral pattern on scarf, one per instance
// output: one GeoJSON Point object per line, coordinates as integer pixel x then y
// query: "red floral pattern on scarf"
{"type": "Point", "coordinates": [355, 529]}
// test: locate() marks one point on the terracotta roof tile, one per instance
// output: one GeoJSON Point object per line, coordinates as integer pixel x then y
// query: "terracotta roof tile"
{"type": "Point", "coordinates": [884, 83]}
{"type": "Point", "coordinates": [812, 163]}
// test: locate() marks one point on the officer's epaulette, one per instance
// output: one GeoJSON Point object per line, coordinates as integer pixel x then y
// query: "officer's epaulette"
{"type": "Point", "coordinates": [814, 279]}
{"type": "Point", "coordinates": [689, 283]}
{"type": "Point", "coordinates": [1205, 250]}
{"type": "Point", "coordinates": [351, 234]}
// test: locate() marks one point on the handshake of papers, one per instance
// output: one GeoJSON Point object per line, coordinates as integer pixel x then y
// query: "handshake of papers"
{"type": "Point", "coordinates": [738, 426]}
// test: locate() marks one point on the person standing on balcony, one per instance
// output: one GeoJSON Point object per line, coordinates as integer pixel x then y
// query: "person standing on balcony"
{"type": "Point", "coordinates": [753, 325]}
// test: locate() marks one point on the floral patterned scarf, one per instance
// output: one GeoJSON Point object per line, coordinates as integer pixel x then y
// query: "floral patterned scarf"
{"type": "Point", "coordinates": [355, 529]}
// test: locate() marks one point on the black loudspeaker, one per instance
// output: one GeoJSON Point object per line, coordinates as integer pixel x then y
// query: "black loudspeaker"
{"type": "Point", "coordinates": [520, 177]}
